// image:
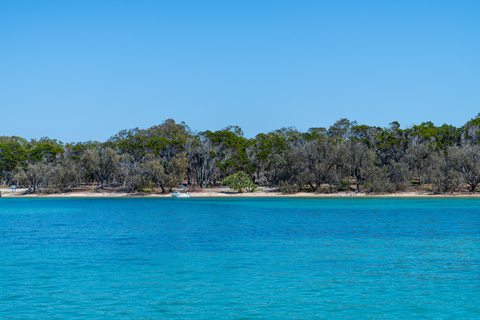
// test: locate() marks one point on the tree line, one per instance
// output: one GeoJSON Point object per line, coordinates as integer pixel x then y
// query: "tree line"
{"type": "Point", "coordinates": [346, 156]}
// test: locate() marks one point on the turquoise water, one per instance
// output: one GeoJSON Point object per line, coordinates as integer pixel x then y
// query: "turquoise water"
{"type": "Point", "coordinates": [240, 258]}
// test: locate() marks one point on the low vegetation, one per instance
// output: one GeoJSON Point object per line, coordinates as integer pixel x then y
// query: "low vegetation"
{"type": "Point", "coordinates": [240, 181]}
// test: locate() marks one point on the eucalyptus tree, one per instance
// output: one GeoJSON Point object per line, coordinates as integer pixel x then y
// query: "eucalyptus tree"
{"type": "Point", "coordinates": [443, 175]}
{"type": "Point", "coordinates": [45, 149]}
{"type": "Point", "coordinates": [359, 159]}
{"type": "Point", "coordinates": [153, 170]}
{"type": "Point", "coordinates": [389, 143]}
{"type": "Point", "coordinates": [35, 161]}
{"type": "Point", "coordinates": [132, 142]}
{"type": "Point", "coordinates": [230, 151]}
{"type": "Point", "coordinates": [268, 151]}
{"type": "Point", "coordinates": [167, 139]}
{"type": "Point", "coordinates": [315, 133]}
{"type": "Point", "coordinates": [287, 133]}
{"type": "Point", "coordinates": [323, 158]}
{"type": "Point", "coordinates": [442, 136]}
{"type": "Point", "coordinates": [131, 172]}
{"type": "Point", "coordinates": [175, 171]}
{"type": "Point", "coordinates": [33, 176]}
{"type": "Point", "coordinates": [294, 168]}
{"type": "Point", "coordinates": [202, 163]}
{"type": "Point", "coordinates": [66, 174]}
{"type": "Point", "coordinates": [466, 160]}
{"type": "Point", "coordinates": [165, 176]}
{"type": "Point", "coordinates": [13, 151]}
{"type": "Point", "coordinates": [274, 157]}
{"type": "Point", "coordinates": [470, 132]}
{"type": "Point", "coordinates": [341, 130]}
{"type": "Point", "coordinates": [387, 178]}
{"type": "Point", "coordinates": [421, 157]}
{"type": "Point", "coordinates": [102, 162]}
{"type": "Point", "coordinates": [75, 151]}
{"type": "Point", "coordinates": [399, 175]}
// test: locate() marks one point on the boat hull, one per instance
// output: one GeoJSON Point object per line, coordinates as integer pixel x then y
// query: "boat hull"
{"type": "Point", "coordinates": [181, 195]}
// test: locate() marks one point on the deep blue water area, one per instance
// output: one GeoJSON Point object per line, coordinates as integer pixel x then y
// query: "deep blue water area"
{"type": "Point", "coordinates": [242, 258]}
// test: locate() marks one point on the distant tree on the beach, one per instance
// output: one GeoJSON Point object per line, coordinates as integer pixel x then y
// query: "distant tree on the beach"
{"type": "Point", "coordinates": [466, 160]}
{"type": "Point", "coordinates": [45, 149]}
{"type": "Point", "coordinates": [175, 171]}
{"type": "Point", "coordinates": [65, 174]}
{"type": "Point", "coordinates": [202, 164]}
{"type": "Point", "coordinates": [33, 175]}
{"type": "Point", "coordinates": [360, 160]}
{"type": "Point", "coordinates": [13, 150]}
{"type": "Point", "coordinates": [101, 162]}
{"type": "Point", "coordinates": [154, 171]}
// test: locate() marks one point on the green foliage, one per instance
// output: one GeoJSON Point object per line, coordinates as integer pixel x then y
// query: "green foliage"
{"type": "Point", "coordinates": [12, 152]}
{"type": "Point", "coordinates": [388, 159]}
{"type": "Point", "coordinates": [166, 140]}
{"type": "Point", "coordinates": [445, 135]}
{"type": "Point", "coordinates": [49, 191]}
{"type": "Point", "coordinates": [288, 187]}
{"type": "Point", "coordinates": [315, 133]}
{"type": "Point", "coordinates": [101, 162]}
{"type": "Point", "coordinates": [268, 144]}
{"type": "Point", "coordinates": [33, 175]}
{"type": "Point", "coordinates": [341, 129]}
{"type": "Point", "coordinates": [231, 153]}
{"type": "Point", "coordinates": [175, 171]}
{"type": "Point", "coordinates": [240, 181]}
{"type": "Point", "coordinates": [45, 148]}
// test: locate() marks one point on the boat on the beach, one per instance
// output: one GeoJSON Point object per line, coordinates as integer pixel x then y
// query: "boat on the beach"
{"type": "Point", "coordinates": [177, 194]}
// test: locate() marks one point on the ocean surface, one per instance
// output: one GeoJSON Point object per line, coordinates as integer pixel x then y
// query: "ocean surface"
{"type": "Point", "coordinates": [282, 258]}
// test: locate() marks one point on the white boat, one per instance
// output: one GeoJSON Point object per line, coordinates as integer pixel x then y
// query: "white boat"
{"type": "Point", "coordinates": [177, 194]}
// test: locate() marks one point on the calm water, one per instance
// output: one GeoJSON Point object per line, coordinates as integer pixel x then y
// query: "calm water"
{"type": "Point", "coordinates": [240, 258]}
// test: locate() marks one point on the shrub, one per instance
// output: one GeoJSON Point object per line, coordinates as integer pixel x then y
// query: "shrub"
{"type": "Point", "coordinates": [323, 190]}
{"type": "Point", "coordinates": [195, 188]}
{"type": "Point", "coordinates": [48, 191]}
{"type": "Point", "coordinates": [288, 187]}
{"type": "Point", "coordinates": [240, 181]}
{"type": "Point", "coordinates": [379, 186]}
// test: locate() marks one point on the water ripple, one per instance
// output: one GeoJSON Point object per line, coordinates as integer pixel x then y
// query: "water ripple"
{"type": "Point", "coordinates": [240, 258]}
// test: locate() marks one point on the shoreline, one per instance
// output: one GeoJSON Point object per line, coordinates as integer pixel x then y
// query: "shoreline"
{"type": "Point", "coordinates": [226, 193]}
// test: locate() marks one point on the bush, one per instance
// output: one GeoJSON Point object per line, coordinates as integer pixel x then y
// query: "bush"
{"type": "Point", "coordinates": [195, 189]}
{"type": "Point", "coordinates": [288, 188]}
{"type": "Point", "coordinates": [240, 181]}
{"type": "Point", "coordinates": [48, 191]}
{"type": "Point", "coordinates": [310, 189]}
{"type": "Point", "coordinates": [345, 182]}
{"type": "Point", "coordinates": [379, 186]}
{"type": "Point", "coordinates": [323, 190]}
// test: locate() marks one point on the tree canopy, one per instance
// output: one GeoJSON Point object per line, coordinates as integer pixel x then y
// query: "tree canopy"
{"type": "Point", "coordinates": [370, 158]}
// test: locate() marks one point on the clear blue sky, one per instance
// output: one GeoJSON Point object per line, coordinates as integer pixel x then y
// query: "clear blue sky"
{"type": "Point", "coordinates": [84, 70]}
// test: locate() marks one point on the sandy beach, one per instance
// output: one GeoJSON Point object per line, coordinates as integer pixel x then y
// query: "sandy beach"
{"type": "Point", "coordinates": [225, 192]}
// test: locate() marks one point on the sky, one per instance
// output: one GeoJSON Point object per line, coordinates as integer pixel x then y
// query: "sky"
{"type": "Point", "coordinates": [84, 70]}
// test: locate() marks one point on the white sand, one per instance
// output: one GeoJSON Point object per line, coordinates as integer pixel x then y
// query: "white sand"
{"type": "Point", "coordinates": [226, 192]}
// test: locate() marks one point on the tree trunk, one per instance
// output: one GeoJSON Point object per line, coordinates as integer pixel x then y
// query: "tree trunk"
{"type": "Point", "coordinates": [162, 187]}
